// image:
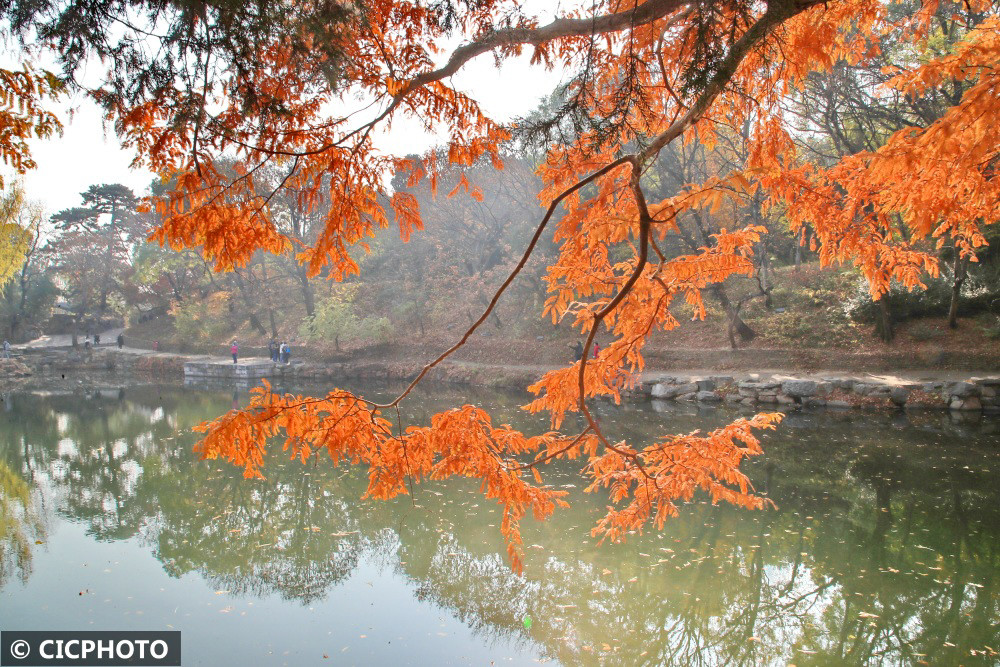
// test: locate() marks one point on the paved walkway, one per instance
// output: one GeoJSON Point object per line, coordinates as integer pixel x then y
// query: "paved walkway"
{"type": "Point", "coordinates": [66, 340]}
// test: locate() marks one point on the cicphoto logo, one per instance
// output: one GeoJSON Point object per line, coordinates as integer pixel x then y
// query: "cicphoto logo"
{"type": "Point", "coordinates": [90, 648]}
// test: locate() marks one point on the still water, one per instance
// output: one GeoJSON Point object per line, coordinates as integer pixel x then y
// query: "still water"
{"type": "Point", "coordinates": [884, 547]}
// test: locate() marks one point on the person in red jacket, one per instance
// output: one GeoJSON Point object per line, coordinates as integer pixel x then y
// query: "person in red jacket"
{"type": "Point", "coordinates": [597, 349]}
{"type": "Point", "coordinates": [235, 349]}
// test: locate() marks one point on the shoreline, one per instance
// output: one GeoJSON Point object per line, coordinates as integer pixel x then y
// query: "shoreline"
{"type": "Point", "coordinates": [959, 391]}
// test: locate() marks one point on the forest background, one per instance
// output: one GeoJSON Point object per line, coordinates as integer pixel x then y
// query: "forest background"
{"type": "Point", "coordinates": [90, 267]}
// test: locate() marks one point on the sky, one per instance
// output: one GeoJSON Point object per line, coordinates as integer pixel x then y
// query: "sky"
{"type": "Point", "coordinates": [89, 153]}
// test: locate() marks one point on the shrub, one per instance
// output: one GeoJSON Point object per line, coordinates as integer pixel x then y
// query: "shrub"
{"type": "Point", "coordinates": [202, 321]}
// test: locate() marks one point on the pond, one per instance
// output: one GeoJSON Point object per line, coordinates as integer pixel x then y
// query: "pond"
{"type": "Point", "coordinates": [883, 547]}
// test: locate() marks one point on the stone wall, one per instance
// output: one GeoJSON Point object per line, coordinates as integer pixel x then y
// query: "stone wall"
{"type": "Point", "coordinates": [973, 394]}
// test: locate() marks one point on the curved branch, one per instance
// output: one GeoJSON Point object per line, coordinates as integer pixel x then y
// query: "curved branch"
{"type": "Point", "coordinates": [510, 278]}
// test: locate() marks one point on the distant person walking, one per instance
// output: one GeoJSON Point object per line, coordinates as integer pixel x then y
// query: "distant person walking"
{"type": "Point", "coordinates": [156, 345]}
{"type": "Point", "coordinates": [597, 349]}
{"type": "Point", "coordinates": [97, 339]}
{"type": "Point", "coordinates": [286, 352]}
{"type": "Point", "coordinates": [6, 349]}
{"type": "Point", "coordinates": [121, 340]}
{"type": "Point", "coordinates": [272, 348]}
{"type": "Point", "coordinates": [235, 350]}
{"type": "Point", "coordinates": [578, 351]}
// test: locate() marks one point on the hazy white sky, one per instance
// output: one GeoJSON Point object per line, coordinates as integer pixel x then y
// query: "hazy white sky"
{"type": "Point", "coordinates": [88, 153]}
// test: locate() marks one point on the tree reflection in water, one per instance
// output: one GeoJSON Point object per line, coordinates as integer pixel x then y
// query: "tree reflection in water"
{"type": "Point", "coordinates": [21, 525]}
{"type": "Point", "coordinates": [882, 548]}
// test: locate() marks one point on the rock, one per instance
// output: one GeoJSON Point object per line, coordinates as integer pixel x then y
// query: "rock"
{"type": "Point", "coordinates": [721, 380]}
{"type": "Point", "coordinates": [663, 391]}
{"type": "Point", "coordinates": [824, 388]}
{"type": "Point", "coordinates": [814, 402]}
{"type": "Point", "coordinates": [966, 404]}
{"type": "Point", "coordinates": [786, 400]}
{"type": "Point", "coordinates": [931, 387]}
{"type": "Point", "coordinates": [987, 392]}
{"type": "Point", "coordinates": [840, 383]}
{"type": "Point", "coordinates": [732, 398]}
{"type": "Point", "coordinates": [687, 388]}
{"type": "Point", "coordinates": [798, 388]}
{"type": "Point", "coordinates": [668, 391]}
{"type": "Point", "coordinates": [757, 384]}
{"type": "Point", "coordinates": [767, 398]}
{"type": "Point", "coordinates": [705, 385]}
{"type": "Point", "coordinates": [962, 389]}
{"type": "Point", "coordinates": [748, 401]}
{"type": "Point", "coordinates": [708, 397]}
{"type": "Point", "coordinates": [841, 405]}
{"type": "Point", "coordinates": [12, 368]}
{"type": "Point", "coordinates": [899, 395]}
{"type": "Point", "coordinates": [690, 396]}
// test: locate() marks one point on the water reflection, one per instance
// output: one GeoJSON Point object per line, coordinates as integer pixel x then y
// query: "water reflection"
{"type": "Point", "coordinates": [21, 525]}
{"type": "Point", "coordinates": [883, 547]}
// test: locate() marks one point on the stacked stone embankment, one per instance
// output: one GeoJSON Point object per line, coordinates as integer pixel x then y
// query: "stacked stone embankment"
{"type": "Point", "coordinates": [973, 394]}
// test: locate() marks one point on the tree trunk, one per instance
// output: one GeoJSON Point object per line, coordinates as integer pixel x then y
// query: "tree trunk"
{"type": "Point", "coordinates": [257, 324]}
{"type": "Point", "coordinates": [174, 288]}
{"type": "Point", "coordinates": [308, 298]}
{"type": "Point", "coordinates": [106, 283]}
{"type": "Point", "coordinates": [960, 270]}
{"type": "Point", "coordinates": [736, 322]}
{"type": "Point", "coordinates": [249, 303]}
{"type": "Point", "coordinates": [884, 324]}
{"type": "Point", "coordinates": [765, 265]}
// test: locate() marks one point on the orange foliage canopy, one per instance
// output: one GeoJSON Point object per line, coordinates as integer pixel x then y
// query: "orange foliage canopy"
{"type": "Point", "coordinates": [657, 71]}
{"type": "Point", "coordinates": [22, 116]}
